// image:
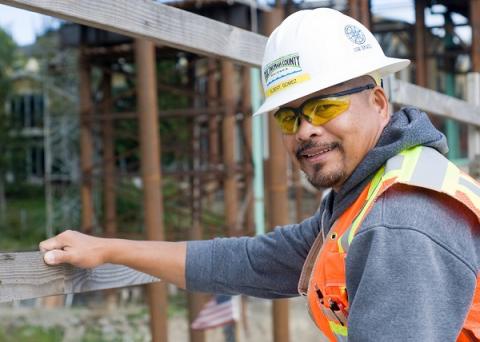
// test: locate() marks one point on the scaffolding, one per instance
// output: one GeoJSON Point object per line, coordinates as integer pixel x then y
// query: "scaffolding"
{"type": "Point", "coordinates": [216, 111]}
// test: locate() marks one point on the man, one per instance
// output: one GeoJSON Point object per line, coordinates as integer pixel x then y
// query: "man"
{"type": "Point", "coordinates": [393, 252]}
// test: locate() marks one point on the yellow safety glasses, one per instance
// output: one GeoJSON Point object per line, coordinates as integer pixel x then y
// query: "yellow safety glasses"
{"type": "Point", "coordinates": [316, 110]}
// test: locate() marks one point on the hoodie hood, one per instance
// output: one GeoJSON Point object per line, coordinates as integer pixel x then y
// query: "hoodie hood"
{"type": "Point", "coordinates": [407, 128]}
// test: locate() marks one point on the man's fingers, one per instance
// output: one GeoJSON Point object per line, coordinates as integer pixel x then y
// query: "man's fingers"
{"type": "Point", "coordinates": [50, 244]}
{"type": "Point", "coordinates": [56, 257]}
{"type": "Point", "coordinates": [58, 242]}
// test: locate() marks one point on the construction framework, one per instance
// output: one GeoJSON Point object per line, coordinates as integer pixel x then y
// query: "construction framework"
{"type": "Point", "coordinates": [153, 24]}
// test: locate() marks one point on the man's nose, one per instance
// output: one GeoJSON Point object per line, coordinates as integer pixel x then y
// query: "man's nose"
{"type": "Point", "coordinates": [306, 130]}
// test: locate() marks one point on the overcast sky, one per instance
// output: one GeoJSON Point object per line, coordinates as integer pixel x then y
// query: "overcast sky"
{"type": "Point", "coordinates": [25, 25]}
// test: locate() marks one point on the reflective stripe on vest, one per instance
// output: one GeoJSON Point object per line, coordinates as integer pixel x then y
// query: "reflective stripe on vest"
{"type": "Point", "coordinates": [420, 167]}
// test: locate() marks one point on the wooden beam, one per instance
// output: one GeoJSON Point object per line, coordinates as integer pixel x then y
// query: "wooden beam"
{"type": "Point", "coordinates": [25, 275]}
{"type": "Point", "coordinates": [147, 102]}
{"type": "Point", "coordinates": [420, 63]}
{"type": "Point", "coordinates": [212, 92]}
{"type": "Point", "coordinates": [475, 24]}
{"type": "Point", "coordinates": [86, 145]}
{"type": "Point", "coordinates": [246, 106]}
{"type": "Point", "coordinates": [162, 24]}
{"type": "Point", "coordinates": [473, 89]}
{"type": "Point", "coordinates": [277, 192]}
{"type": "Point", "coordinates": [365, 13]}
{"type": "Point", "coordinates": [432, 102]}
{"type": "Point", "coordinates": [109, 172]}
{"type": "Point", "coordinates": [229, 146]}
{"type": "Point", "coordinates": [196, 301]}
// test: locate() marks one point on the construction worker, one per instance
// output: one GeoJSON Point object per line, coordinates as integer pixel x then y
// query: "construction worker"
{"type": "Point", "coordinates": [392, 254]}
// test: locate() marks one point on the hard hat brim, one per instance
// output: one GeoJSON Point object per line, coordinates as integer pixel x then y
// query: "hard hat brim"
{"type": "Point", "coordinates": [391, 65]}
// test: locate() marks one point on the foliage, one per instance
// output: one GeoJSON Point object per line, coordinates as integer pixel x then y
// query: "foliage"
{"type": "Point", "coordinates": [27, 333]}
{"type": "Point", "coordinates": [24, 223]}
{"type": "Point", "coordinates": [7, 57]}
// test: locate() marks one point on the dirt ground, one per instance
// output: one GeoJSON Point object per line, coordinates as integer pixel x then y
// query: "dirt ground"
{"type": "Point", "coordinates": [25, 323]}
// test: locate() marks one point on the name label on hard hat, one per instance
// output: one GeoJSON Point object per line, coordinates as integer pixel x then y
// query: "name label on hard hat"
{"type": "Point", "coordinates": [286, 84]}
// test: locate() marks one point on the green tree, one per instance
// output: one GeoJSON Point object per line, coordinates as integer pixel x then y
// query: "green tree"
{"type": "Point", "coordinates": [7, 59]}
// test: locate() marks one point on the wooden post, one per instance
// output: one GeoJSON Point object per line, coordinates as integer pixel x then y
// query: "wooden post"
{"type": "Point", "coordinates": [277, 191]}
{"type": "Point", "coordinates": [473, 84]}
{"type": "Point", "coordinates": [365, 13]}
{"type": "Point", "coordinates": [475, 24]}
{"type": "Point", "coordinates": [212, 93]}
{"type": "Point", "coordinates": [360, 10]}
{"type": "Point", "coordinates": [473, 96]}
{"type": "Point", "coordinates": [353, 9]}
{"type": "Point", "coordinates": [229, 147]}
{"type": "Point", "coordinates": [213, 148]}
{"type": "Point", "coordinates": [420, 65]}
{"type": "Point", "coordinates": [297, 184]}
{"type": "Point", "coordinates": [195, 300]}
{"type": "Point", "coordinates": [248, 167]}
{"type": "Point", "coordinates": [151, 175]}
{"type": "Point", "coordinates": [109, 174]}
{"type": "Point", "coordinates": [473, 88]}
{"type": "Point", "coordinates": [86, 144]}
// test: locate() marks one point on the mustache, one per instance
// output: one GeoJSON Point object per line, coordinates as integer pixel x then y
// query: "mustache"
{"type": "Point", "coordinates": [310, 144]}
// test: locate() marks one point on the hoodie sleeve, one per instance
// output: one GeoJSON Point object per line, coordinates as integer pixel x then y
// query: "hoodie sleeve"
{"type": "Point", "coordinates": [412, 269]}
{"type": "Point", "coordinates": [266, 266]}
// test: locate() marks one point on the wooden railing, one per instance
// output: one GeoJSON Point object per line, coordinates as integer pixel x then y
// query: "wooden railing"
{"type": "Point", "coordinates": [25, 275]}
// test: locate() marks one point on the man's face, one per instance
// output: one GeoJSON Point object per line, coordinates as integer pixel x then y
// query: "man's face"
{"type": "Point", "coordinates": [329, 153]}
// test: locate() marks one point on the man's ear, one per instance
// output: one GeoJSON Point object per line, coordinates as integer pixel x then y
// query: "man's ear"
{"type": "Point", "coordinates": [379, 101]}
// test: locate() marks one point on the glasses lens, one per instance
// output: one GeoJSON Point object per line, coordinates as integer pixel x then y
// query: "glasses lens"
{"type": "Point", "coordinates": [320, 111]}
{"type": "Point", "coordinates": [287, 120]}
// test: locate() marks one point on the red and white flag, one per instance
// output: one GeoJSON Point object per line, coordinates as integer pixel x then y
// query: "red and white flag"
{"type": "Point", "coordinates": [220, 310]}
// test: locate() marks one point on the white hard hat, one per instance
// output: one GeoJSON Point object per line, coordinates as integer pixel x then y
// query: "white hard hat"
{"type": "Point", "coordinates": [315, 49]}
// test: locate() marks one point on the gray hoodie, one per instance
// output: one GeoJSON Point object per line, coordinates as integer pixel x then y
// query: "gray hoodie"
{"type": "Point", "coordinates": [411, 269]}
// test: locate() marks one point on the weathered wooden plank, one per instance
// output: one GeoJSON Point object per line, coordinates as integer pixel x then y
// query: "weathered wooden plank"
{"type": "Point", "coordinates": [25, 275]}
{"type": "Point", "coordinates": [163, 24]}
{"type": "Point", "coordinates": [433, 102]}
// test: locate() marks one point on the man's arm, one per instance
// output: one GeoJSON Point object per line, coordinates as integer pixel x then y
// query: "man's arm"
{"type": "Point", "coordinates": [264, 266]}
{"type": "Point", "coordinates": [165, 260]}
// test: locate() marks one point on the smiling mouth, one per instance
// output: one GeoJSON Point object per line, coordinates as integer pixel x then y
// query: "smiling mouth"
{"type": "Point", "coordinates": [311, 152]}
{"type": "Point", "coordinates": [317, 153]}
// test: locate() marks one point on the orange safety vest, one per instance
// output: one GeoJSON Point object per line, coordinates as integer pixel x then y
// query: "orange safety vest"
{"type": "Point", "coordinates": [323, 278]}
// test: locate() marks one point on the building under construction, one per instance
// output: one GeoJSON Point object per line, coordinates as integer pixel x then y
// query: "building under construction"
{"type": "Point", "coordinates": [150, 117]}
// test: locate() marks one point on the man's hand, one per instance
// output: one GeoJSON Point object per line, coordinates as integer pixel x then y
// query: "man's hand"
{"type": "Point", "coordinates": [74, 248]}
{"type": "Point", "coordinates": [162, 259]}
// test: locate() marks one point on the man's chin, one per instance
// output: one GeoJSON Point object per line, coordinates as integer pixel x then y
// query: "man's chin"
{"type": "Point", "coordinates": [325, 180]}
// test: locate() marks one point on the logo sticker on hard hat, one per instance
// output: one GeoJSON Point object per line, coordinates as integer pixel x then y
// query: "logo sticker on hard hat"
{"type": "Point", "coordinates": [281, 67]}
{"type": "Point", "coordinates": [356, 36]}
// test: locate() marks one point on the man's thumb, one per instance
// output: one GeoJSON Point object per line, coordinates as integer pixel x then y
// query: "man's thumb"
{"type": "Point", "coordinates": [55, 257]}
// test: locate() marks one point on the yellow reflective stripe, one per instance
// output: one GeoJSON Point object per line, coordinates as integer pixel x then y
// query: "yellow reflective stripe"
{"type": "Point", "coordinates": [371, 197]}
{"type": "Point", "coordinates": [411, 159]}
{"type": "Point", "coordinates": [375, 181]}
{"type": "Point", "coordinates": [338, 329]}
{"type": "Point", "coordinates": [339, 244]}
{"type": "Point", "coordinates": [450, 182]}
